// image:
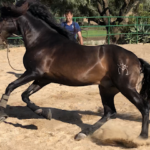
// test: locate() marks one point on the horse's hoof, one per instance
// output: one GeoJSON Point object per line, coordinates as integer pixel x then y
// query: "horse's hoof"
{"type": "Point", "coordinates": [46, 113]}
{"type": "Point", "coordinates": [80, 136]}
{"type": "Point", "coordinates": [3, 115]}
{"type": "Point", "coordinates": [143, 137]}
{"type": "Point", "coordinates": [113, 116]}
{"type": "Point", "coordinates": [3, 118]}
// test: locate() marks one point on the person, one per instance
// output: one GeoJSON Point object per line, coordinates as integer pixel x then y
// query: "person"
{"type": "Point", "coordinates": [72, 26]}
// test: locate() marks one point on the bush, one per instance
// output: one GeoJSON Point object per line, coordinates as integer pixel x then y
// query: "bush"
{"type": "Point", "coordinates": [143, 30]}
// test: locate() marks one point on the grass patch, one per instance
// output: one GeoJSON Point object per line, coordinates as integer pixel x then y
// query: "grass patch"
{"type": "Point", "coordinates": [93, 33]}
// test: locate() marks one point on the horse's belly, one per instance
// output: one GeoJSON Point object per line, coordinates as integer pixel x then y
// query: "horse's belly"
{"type": "Point", "coordinates": [106, 83]}
{"type": "Point", "coordinates": [78, 76]}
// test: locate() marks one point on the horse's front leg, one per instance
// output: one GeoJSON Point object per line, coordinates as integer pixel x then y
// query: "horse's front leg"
{"type": "Point", "coordinates": [25, 78]}
{"type": "Point", "coordinates": [88, 131]}
{"type": "Point", "coordinates": [107, 95]}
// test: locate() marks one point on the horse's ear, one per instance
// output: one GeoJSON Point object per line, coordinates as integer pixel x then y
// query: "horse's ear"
{"type": "Point", "coordinates": [18, 11]}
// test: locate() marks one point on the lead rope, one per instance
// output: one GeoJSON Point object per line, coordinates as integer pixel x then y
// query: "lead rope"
{"type": "Point", "coordinates": [8, 56]}
{"type": "Point", "coordinates": [11, 65]}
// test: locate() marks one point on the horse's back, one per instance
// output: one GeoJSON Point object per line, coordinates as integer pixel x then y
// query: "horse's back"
{"type": "Point", "coordinates": [73, 64]}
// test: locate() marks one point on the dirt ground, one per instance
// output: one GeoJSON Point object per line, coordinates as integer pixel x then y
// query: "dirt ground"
{"type": "Point", "coordinates": [73, 108]}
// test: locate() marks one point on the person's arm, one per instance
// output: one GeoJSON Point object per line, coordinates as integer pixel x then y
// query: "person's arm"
{"type": "Point", "coordinates": [80, 37]}
{"type": "Point", "coordinates": [79, 33]}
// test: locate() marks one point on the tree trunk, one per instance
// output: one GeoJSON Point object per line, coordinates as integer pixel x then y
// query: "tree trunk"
{"type": "Point", "coordinates": [103, 10]}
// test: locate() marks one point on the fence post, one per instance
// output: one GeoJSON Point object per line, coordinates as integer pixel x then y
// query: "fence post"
{"type": "Point", "coordinates": [108, 29]}
{"type": "Point", "coordinates": [74, 19]}
{"type": "Point", "coordinates": [137, 25]}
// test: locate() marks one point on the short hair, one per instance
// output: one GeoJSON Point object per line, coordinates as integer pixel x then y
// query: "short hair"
{"type": "Point", "coordinates": [68, 11]}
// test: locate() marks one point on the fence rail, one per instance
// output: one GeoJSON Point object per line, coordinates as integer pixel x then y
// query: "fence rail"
{"type": "Point", "coordinates": [94, 30]}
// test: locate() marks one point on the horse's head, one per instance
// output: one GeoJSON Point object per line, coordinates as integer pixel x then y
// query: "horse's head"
{"type": "Point", "coordinates": [8, 21]}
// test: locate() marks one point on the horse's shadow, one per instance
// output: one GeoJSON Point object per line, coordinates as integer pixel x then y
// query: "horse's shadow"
{"type": "Point", "coordinates": [72, 117]}
{"type": "Point", "coordinates": [17, 75]}
{"type": "Point", "coordinates": [30, 127]}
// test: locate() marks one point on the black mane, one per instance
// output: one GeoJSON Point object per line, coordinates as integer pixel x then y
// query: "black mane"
{"type": "Point", "coordinates": [40, 11]}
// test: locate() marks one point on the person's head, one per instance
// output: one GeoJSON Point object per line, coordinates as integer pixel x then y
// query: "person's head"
{"type": "Point", "coordinates": [68, 15]}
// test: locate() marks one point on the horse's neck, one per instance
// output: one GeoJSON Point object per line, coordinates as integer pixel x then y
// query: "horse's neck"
{"type": "Point", "coordinates": [31, 29]}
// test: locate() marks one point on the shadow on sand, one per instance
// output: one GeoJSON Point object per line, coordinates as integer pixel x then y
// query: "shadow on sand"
{"type": "Point", "coordinates": [17, 75]}
{"type": "Point", "coordinates": [67, 116]}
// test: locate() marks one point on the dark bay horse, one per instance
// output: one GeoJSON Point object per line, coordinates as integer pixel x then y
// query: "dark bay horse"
{"type": "Point", "coordinates": [52, 56]}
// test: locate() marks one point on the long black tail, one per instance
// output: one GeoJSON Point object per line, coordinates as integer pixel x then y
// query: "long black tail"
{"type": "Point", "coordinates": [145, 90]}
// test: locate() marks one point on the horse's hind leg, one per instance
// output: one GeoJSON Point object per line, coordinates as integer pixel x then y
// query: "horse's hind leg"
{"type": "Point", "coordinates": [34, 87]}
{"type": "Point", "coordinates": [135, 98]}
{"type": "Point", "coordinates": [107, 96]}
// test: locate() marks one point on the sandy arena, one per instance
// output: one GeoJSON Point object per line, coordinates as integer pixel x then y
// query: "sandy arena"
{"type": "Point", "coordinates": [73, 108]}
